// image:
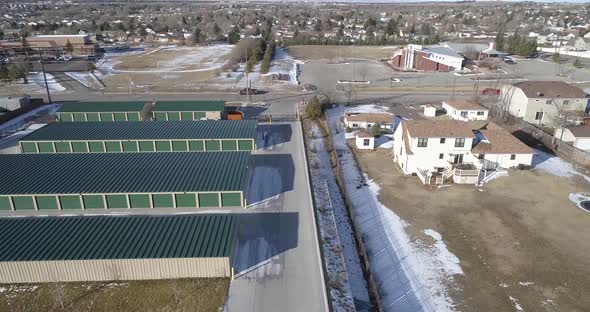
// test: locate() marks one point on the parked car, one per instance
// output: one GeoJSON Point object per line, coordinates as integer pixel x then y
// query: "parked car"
{"type": "Point", "coordinates": [65, 58]}
{"type": "Point", "coordinates": [509, 61]}
{"type": "Point", "coordinates": [246, 91]}
{"type": "Point", "coordinates": [490, 91]}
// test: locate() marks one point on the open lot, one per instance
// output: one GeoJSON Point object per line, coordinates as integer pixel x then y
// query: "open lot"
{"type": "Point", "coordinates": [172, 59]}
{"type": "Point", "coordinates": [159, 295]}
{"type": "Point", "coordinates": [334, 53]}
{"type": "Point", "coordinates": [519, 238]}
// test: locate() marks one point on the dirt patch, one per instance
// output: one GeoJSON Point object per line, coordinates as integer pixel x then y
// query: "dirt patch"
{"type": "Point", "coordinates": [159, 295]}
{"type": "Point", "coordinates": [158, 82]}
{"type": "Point", "coordinates": [331, 52]}
{"type": "Point", "coordinates": [519, 238]}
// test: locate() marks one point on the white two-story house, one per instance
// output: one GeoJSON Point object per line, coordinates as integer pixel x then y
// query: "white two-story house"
{"type": "Point", "coordinates": [366, 121]}
{"type": "Point", "coordinates": [431, 145]}
{"type": "Point", "coordinates": [544, 103]}
{"type": "Point", "coordinates": [438, 150]}
{"type": "Point", "coordinates": [465, 110]}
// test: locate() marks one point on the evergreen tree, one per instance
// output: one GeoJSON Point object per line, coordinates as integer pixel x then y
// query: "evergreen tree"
{"type": "Point", "coordinates": [3, 72]}
{"type": "Point", "coordinates": [197, 36]}
{"type": "Point", "coordinates": [69, 48]}
{"type": "Point", "coordinates": [234, 35]}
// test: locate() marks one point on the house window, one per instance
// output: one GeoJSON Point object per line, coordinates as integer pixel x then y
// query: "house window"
{"type": "Point", "coordinates": [355, 125]}
{"type": "Point", "coordinates": [566, 102]}
{"type": "Point", "coordinates": [366, 142]}
{"type": "Point", "coordinates": [441, 156]}
{"type": "Point", "coordinates": [459, 142]}
{"type": "Point", "coordinates": [442, 140]}
{"type": "Point", "coordinates": [422, 142]}
{"type": "Point", "coordinates": [479, 113]}
{"type": "Point", "coordinates": [547, 102]}
{"type": "Point", "coordinates": [512, 157]}
{"type": "Point", "coordinates": [481, 156]}
{"type": "Point", "coordinates": [463, 114]}
{"type": "Point", "coordinates": [538, 115]}
{"type": "Point", "coordinates": [369, 125]}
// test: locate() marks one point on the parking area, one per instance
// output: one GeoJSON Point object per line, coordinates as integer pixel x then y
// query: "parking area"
{"type": "Point", "coordinates": [519, 238]}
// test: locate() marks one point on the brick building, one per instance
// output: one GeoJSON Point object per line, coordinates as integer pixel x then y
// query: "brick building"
{"type": "Point", "coordinates": [427, 58]}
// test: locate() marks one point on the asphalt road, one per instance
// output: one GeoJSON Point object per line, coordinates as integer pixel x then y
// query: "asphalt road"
{"type": "Point", "coordinates": [277, 260]}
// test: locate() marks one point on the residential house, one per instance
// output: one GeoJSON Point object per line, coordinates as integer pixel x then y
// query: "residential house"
{"type": "Point", "coordinates": [439, 150]}
{"type": "Point", "coordinates": [578, 136]}
{"type": "Point", "coordinates": [364, 140]}
{"type": "Point", "coordinates": [545, 103]}
{"type": "Point", "coordinates": [465, 110]}
{"type": "Point", "coordinates": [427, 58]}
{"type": "Point", "coordinates": [368, 120]}
{"type": "Point", "coordinates": [578, 44]}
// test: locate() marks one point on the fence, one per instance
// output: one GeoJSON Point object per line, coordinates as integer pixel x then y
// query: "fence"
{"type": "Point", "coordinates": [278, 117]}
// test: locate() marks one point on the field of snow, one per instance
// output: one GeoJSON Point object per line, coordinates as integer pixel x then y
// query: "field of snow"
{"type": "Point", "coordinates": [584, 54]}
{"type": "Point", "coordinates": [412, 275]}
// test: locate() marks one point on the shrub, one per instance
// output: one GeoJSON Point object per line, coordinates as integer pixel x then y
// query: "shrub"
{"type": "Point", "coordinates": [348, 130]}
{"type": "Point", "coordinates": [314, 109]}
{"type": "Point", "coordinates": [376, 130]}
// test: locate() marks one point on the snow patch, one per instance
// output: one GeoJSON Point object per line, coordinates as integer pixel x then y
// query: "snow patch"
{"type": "Point", "coordinates": [554, 165]}
{"type": "Point", "coordinates": [37, 78]}
{"type": "Point", "coordinates": [517, 306]}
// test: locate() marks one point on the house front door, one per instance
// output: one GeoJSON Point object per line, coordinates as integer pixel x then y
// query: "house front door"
{"type": "Point", "coordinates": [458, 159]}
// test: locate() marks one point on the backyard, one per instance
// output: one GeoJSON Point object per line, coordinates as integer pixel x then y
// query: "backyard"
{"type": "Point", "coordinates": [521, 242]}
{"type": "Point", "coordinates": [159, 295]}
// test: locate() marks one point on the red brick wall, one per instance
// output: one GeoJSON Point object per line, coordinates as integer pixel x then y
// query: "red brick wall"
{"type": "Point", "coordinates": [422, 63]}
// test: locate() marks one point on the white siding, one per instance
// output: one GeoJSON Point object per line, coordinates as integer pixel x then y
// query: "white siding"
{"type": "Point", "coordinates": [472, 114]}
{"type": "Point", "coordinates": [582, 143]}
{"type": "Point", "coordinates": [360, 143]}
{"type": "Point", "coordinates": [504, 160]}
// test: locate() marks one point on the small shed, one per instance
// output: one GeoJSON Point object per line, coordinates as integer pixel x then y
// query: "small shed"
{"type": "Point", "coordinates": [103, 111]}
{"type": "Point", "coordinates": [364, 140]}
{"type": "Point", "coordinates": [154, 136]}
{"type": "Point", "coordinates": [189, 110]}
{"type": "Point", "coordinates": [107, 248]}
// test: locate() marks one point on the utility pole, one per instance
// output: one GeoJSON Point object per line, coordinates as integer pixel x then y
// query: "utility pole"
{"type": "Point", "coordinates": [45, 77]}
{"type": "Point", "coordinates": [476, 82]}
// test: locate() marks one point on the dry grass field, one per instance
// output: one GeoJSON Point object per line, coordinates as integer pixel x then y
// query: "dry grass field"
{"type": "Point", "coordinates": [519, 238]}
{"type": "Point", "coordinates": [330, 52]}
{"type": "Point", "coordinates": [158, 82]}
{"type": "Point", "coordinates": [175, 59]}
{"type": "Point", "coordinates": [204, 295]}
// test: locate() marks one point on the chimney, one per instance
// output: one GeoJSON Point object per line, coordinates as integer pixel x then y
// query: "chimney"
{"type": "Point", "coordinates": [492, 45]}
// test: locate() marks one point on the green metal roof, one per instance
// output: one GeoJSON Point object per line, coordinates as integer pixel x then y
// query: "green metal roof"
{"type": "Point", "coordinates": [189, 106]}
{"type": "Point", "coordinates": [116, 237]}
{"type": "Point", "coordinates": [147, 130]}
{"type": "Point", "coordinates": [123, 172]}
{"type": "Point", "coordinates": [89, 107]}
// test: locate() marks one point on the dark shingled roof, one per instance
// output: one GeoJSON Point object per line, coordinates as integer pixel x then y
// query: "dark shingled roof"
{"type": "Point", "coordinates": [550, 89]}
{"type": "Point", "coordinates": [89, 107]}
{"type": "Point", "coordinates": [116, 237]}
{"type": "Point", "coordinates": [189, 106]}
{"type": "Point", "coordinates": [123, 172]}
{"type": "Point", "coordinates": [148, 130]}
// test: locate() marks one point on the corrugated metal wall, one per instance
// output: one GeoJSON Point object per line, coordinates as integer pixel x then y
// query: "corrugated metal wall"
{"type": "Point", "coordinates": [109, 270]}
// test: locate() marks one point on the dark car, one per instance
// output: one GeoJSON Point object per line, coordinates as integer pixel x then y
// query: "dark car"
{"type": "Point", "coordinates": [246, 91]}
{"type": "Point", "coordinates": [509, 61]}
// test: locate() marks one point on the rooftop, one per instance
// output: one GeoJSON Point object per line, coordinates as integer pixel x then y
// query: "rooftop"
{"type": "Point", "coordinates": [550, 89]}
{"type": "Point", "coordinates": [116, 237]}
{"type": "Point", "coordinates": [500, 142]}
{"type": "Point", "coordinates": [370, 117]}
{"type": "Point", "coordinates": [156, 130]}
{"type": "Point", "coordinates": [123, 172]}
{"type": "Point", "coordinates": [464, 105]}
{"type": "Point", "coordinates": [86, 107]}
{"type": "Point", "coordinates": [438, 128]}
{"type": "Point", "coordinates": [202, 106]}
{"type": "Point", "coordinates": [580, 131]}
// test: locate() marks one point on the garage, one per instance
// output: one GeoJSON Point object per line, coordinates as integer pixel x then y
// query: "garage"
{"type": "Point", "coordinates": [188, 110]}
{"type": "Point", "coordinates": [102, 111]}
{"type": "Point", "coordinates": [110, 248]}
{"type": "Point", "coordinates": [129, 137]}
{"type": "Point", "coordinates": [93, 181]}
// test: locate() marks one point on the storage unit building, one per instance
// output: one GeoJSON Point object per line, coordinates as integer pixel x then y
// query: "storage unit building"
{"type": "Point", "coordinates": [155, 136]}
{"type": "Point", "coordinates": [35, 182]}
{"type": "Point", "coordinates": [107, 248]}
{"type": "Point", "coordinates": [101, 111]}
{"type": "Point", "coordinates": [189, 110]}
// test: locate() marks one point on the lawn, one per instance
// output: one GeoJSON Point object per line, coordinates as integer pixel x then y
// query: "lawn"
{"type": "Point", "coordinates": [158, 295]}
{"type": "Point", "coordinates": [519, 238]}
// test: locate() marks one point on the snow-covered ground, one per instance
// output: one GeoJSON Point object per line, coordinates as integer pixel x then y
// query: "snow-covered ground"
{"type": "Point", "coordinates": [342, 261]}
{"type": "Point", "coordinates": [578, 198]}
{"type": "Point", "coordinates": [284, 64]}
{"type": "Point", "coordinates": [556, 166]}
{"type": "Point", "coordinates": [37, 78]}
{"type": "Point", "coordinates": [411, 274]}
{"type": "Point", "coordinates": [585, 54]}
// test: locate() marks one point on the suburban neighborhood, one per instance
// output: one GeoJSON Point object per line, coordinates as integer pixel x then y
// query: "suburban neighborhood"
{"type": "Point", "coordinates": [294, 156]}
